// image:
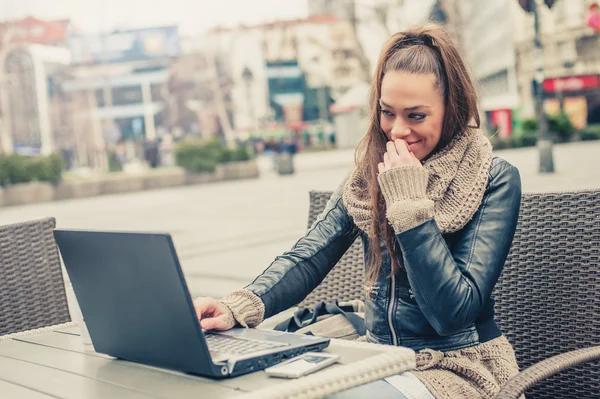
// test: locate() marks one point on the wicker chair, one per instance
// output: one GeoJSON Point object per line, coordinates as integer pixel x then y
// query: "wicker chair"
{"type": "Point", "coordinates": [547, 300]}
{"type": "Point", "coordinates": [32, 291]}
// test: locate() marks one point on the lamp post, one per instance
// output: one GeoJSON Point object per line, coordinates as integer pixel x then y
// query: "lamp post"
{"type": "Point", "coordinates": [544, 141]}
{"type": "Point", "coordinates": [248, 78]}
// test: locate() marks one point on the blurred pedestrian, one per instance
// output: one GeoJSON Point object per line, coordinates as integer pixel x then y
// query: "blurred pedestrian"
{"type": "Point", "coordinates": [288, 145]}
{"type": "Point", "coordinates": [151, 154]}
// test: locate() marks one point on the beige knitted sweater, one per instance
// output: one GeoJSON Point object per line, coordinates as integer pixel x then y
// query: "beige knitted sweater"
{"type": "Point", "coordinates": [449, 187]}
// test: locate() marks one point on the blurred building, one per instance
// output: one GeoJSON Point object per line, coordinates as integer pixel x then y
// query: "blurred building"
{"type": "Point", "coordinates": [287, 71]}
{"type": "Point", "coordinates": [126, 72]}
{"type": "Point", "coordinates": [309, 62]}
{"type": "Point", "coordinates": [365, 26]}
{"type": "Point", "coordinates": [503, 59]}
{"type": "Point", "coordinates": [33, 30]}
{"type": "Point", "coordinates": [338, 8]}
{"type": "Point", "coordinates": [351, 116]}
{"type": "Point", "coordinates": [571, 60]}
{"type": "Point", "coordinates": [238, 83]}
{"type": "Point", "coordinates": [123, 76]}
{"type": "Point", "coordinates": [190, 101]}
{"type": "Point", "coordinates": [485, 34]}
{"type": "Point", "coordinates": [30, 51]}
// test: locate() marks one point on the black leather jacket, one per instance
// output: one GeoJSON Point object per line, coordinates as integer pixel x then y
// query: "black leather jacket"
{"type": "Point", "coordinates": [442, 300]}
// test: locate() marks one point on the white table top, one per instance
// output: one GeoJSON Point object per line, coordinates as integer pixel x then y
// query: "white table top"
{"type": "Point", "coordinates": [55, 365]}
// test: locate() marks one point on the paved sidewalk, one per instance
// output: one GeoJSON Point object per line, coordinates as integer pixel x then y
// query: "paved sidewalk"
{"type": "Point", "coordinates": [577, 166]}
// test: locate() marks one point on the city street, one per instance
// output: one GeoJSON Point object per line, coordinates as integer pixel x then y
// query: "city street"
{"type": "Point", "coordinates": [228, 233]}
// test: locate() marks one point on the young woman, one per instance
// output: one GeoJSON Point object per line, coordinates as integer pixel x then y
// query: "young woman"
{"type": "Point", "coordinates": [436, 213]}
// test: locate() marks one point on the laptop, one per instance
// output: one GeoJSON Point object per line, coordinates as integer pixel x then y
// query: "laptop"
{"type": "Point", "coordinates": [137, 307]}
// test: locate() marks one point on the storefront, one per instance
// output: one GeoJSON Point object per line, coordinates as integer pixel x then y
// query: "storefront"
{"type": "Point", "coordinates": [500, 122]}
{"type": "Point", "coordinates": [577, 96]}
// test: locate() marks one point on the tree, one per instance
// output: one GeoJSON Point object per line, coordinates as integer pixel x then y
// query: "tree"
{"type": "Point", "coordinates": [197, 80]}
{"type": "Point", "coordinates": [369, 16]}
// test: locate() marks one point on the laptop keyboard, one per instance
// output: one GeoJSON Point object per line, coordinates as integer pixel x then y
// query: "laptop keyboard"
{"type": "Point", "coordinates": [235, 346]}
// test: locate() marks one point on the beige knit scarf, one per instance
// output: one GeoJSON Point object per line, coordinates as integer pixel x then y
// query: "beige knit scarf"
{"type": "Point", "coordinates": [458, 176]}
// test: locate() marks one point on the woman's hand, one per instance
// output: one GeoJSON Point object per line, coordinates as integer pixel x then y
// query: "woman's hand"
{"type": "Point", "coordinates": [213, 315]}
{"type": "Point", "coordinates": [398, 154]}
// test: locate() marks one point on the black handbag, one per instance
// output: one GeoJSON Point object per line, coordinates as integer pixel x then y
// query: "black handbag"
{"type": "Point", "coordinates": [307, 316]}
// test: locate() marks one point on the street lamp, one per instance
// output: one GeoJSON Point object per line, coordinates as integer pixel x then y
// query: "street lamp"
{"type": "Point", "coordinates": [544, 139]}
{"type": "Point", "coordinates": [248, 78]}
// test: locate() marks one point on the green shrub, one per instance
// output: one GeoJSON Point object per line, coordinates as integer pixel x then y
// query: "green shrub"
{"type": "Point", "coordinates": [529, 125]}
{"type": "Point", "coordinates": [591, 132]}
{"type": "Point", "coordinates": [237, 154]}
{"type": "Point", "coordinates": [48, 169]}
{"type": "Point", "coordinates": [226, 156]}
{"type": "Point", "coordinates": [199, 156]}
{"type": "Point", "coordinates": [4, 173]}
{"type": "Point", "coordinates": [240, 154]}
{"type": "Point", "coordinates": [203, 156]}
{"type": "Point", "coordinates": [202, 165]}
{"type": "Point", "coordinates": [561, 127]}
{"type": "Point", "coordinates": [527, 138]}
{"type": "Point", "coordinates": [16, 169]}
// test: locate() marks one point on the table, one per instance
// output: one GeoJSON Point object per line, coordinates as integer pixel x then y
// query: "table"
{"type": "Point", "coordinates": [54, 364]}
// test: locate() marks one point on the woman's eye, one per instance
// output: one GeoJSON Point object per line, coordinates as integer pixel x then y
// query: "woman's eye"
{"type": "Point", "coordinates": [417, 117]}
{"type": "Point", "coordinates": [386, 112]}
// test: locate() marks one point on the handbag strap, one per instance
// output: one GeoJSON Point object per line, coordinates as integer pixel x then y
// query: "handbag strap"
{"type": "Point", "coordinates": [348, 311]}
{"type": "Point", "coordinates": [304, 317]}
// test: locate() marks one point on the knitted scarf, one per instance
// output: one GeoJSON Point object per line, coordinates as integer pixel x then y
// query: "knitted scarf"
{"type": "Point", "coordinates": [458, 176]}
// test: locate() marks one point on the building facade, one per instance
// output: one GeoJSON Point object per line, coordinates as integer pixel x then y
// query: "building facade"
{"type": "Point", "coordinates": [287, 72]}
{"type": "Point", "coordinates": [571, 60]}
{"type": "Point", "coordinates": [485, 34]}
{"type": "Point", "coordinates": [33, 30]}
{"type": "Point", "coordinates": [30, 51]}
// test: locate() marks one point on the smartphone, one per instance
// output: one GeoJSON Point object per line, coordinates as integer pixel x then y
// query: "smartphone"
{"type": "Point", "coordinates": [302, 365]}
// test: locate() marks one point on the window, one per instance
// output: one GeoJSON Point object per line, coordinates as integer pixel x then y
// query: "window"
{"type": "Point", "coordinates": [127, 95]}
{"type": "Point", "coordinates": [156, 92]}
{"type": "Point", "coordinates": [588, 48]}
{"type": "Point", "coordinates": [99, 94]}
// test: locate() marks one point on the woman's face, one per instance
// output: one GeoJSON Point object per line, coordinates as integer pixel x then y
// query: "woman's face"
{"type": "Point", "coordinates": [412, 109]}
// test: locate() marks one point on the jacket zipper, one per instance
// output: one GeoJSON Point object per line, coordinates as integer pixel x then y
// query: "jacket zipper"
{"type": "Point", "coordinates": [391, 311]}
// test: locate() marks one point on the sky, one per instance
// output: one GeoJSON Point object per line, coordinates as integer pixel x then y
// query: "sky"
{"type": "Point", "coordinates": [192, 16]}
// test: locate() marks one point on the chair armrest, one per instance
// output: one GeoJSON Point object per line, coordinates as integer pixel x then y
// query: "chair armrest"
{"type": "Point", "coordinates": [516, 386]}
{"type": "Point", "coordinates": [27, 333]}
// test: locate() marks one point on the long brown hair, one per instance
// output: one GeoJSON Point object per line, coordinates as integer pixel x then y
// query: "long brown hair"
{"type": "Point", "coordinates": [419, 50]}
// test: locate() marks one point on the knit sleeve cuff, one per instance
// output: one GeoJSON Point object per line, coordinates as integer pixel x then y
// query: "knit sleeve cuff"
{"type": "Point", "coordinates": [405, 192]}
{"type": "Point", "coordinates": [247, 308]}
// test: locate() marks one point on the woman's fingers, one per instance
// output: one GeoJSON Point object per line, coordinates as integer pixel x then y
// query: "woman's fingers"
{"type": "Point", "coordinates": [398, 154]}
{"type": "Point", "coordinates": [402, 148]}
{"type": "Point", "coordinates": [386, 161]}
{"type": "Point", "coordinates": [217, 323]}
{"type": "Point", "coordinates": [416, 160]}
